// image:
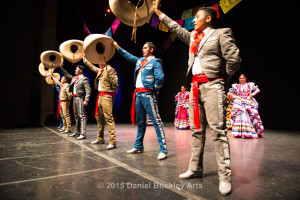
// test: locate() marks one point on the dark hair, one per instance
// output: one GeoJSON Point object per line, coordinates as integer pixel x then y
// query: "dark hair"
{"type": "Point", "coordinates": [210, 11]}
{"type": "Point", "coordinates": [80, 67]}
{"type": "Point", "coordinates": [65, 78]}
{"type": "Point", "coordinates": [152, 46]}
{"type": "Point", "coordinates": [243, 75]}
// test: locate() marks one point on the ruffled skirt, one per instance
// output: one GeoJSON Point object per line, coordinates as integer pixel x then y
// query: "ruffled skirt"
{"type": "Point", "coordinates": [245, 120]}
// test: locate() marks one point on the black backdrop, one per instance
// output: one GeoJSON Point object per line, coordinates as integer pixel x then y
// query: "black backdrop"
{"type": "Point", "coordinates": [265, 32]}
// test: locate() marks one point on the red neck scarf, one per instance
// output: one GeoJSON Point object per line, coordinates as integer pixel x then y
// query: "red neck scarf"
{"type": "Point", "coordinates": [197, 40]}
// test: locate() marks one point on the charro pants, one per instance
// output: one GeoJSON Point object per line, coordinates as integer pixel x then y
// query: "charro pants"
{"type": "Point", "coordinates": [212, 111]}
{"type": "Point", "coordinates": [105, 115]}
{"type": "Point", "coordinates": [146, 103]}
{"type": "Point", "coordinates": [80, 116]}
{"type": "Point", "coordinates": [64, 111]}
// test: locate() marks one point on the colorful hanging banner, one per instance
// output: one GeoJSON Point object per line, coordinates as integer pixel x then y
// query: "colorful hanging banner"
{"type": "Point", "coordinates": [167, 43]}
{"type": "Point", "coordinates": [86, 31]}
{"type": "Point", "coordinates": [216, 7]}
{"type": "Point", "coordinates": [188, 23]}
{"type": "Point", "coordinates": [109, 32]}
{"type": "Point", "coordinates": [187, 13]}
{"type": "Point", "coordinates": [155, 22]}
{"type": "Point", "coordinates": [115, 25]}
{"type": "Point", "coordinates": [172, 36]}
{"type": "Point", "coordinates": [163, 27]}
{"type": "Point", "coordinates": [227, 5]}
{"type": "Point", "coordinates": [180, 22]}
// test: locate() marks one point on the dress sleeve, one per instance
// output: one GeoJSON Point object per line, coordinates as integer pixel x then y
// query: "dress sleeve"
{"type": "Point", "coordinates": [254, 89]}
{"type": "Point", "coordinates": [232, 94]}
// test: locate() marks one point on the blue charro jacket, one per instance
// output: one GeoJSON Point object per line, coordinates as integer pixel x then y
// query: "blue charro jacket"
{"type": "Point", "coordinates": [152, 73]}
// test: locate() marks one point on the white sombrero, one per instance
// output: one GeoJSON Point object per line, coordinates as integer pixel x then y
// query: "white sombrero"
{"type": "Point", "coordinates": [98, 48]}
{"type": "Point", "coordinates": [44, 71]}
{"type": "Point", "coordinates": [49, 79]}
{"type": "Point", "coordinates": [51, 59]}
{"type": "Point", "coordinates": [72, 50]}
{"type": "Point", "coordinates": [125, 11]}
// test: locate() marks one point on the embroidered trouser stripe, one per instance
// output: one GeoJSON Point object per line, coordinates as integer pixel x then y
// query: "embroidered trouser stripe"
{"type": "Point", "coordinates": [80, 117]}
{"type": "Point", "coordinates": [145, 103]}
{"type": "Point", "coordinates": [156, 115]}
{"type": "Point", "coordinates": [212, 110]}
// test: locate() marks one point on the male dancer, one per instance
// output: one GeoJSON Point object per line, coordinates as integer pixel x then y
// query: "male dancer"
{"type": "Point", "coordinates": [149, 78]}
{"type": "Point", "coordinates": [106, 82]}
{"type": "Point", "coordinates": [81, 93]}
{"type": "Point", "coordinates": [213, 59]}
{"type": "Point", "coordinates": [64, 103]}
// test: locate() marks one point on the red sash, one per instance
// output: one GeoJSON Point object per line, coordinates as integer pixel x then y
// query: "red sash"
{"type": "Point", "coordinates": [195, 80]}
{"type": "Point", "coordinates": [132, 112]}
{"type": "Point", "coordinates": [58, 107]}
{"type": "Point", "coordinates": [101, 93]}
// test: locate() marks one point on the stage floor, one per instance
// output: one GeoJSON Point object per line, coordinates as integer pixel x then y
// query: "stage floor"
{"type": "Point", "coordinates": [42, 163]}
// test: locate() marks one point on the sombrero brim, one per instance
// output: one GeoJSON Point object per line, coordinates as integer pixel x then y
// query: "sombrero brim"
{"type": "Point", "coordinates": [45, 71]}
{"type": "Point", "coordinates": [72, 50]}
{"type": "Point", "coordinates": [49, 79]}
{"type": "Point", "coordinates": [51, 59]}
{"type": "Point", "coordinates": [92, 51]}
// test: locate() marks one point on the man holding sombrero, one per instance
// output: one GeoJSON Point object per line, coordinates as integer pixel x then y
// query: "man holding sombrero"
{"type": "Point", "coordinates": [149, 78]}
{"type": "Point", "coordinates": [81, 93]}
{"type": "Point", "coordinates": [106, 82]}
{"type": "Point", "coordinates": [213, 59]}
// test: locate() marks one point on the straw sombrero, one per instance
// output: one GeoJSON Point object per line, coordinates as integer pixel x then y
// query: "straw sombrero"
{"type": "Point", "coordinates": [50, 81]}
{"type": "Point", "coordinates": [125, 11]}
{"type": "Point", "coordinates": [72, 50]}
{"type": "Point", "coordinates": [51, 59]}
{"type": "Point", "coordinates": [98, 48]}
{"type": "Point", "coordinates": [44, 71]}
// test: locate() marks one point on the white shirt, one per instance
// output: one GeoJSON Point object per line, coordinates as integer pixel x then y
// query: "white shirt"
{"type": "Point", "coordinates": [99, 85]}
{"type": "Point", "coordinates": [197, 69]}
{"type": "Point", "coordinates": [139, 83]}
{"type": "Point", "coordinates": [74, 88]}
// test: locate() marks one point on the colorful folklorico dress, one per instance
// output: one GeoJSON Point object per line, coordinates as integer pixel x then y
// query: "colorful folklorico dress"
{"type": "Point", "coordinates": [181, 114]}
{"type": "Point", "coordinates": [228, 110]}
{"type": "Point", "coordinates": [245, 120]}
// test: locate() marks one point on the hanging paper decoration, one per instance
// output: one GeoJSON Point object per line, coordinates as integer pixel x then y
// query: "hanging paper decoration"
{"type": "Point", "coordinates": [163, 27]}
{"type": "Point", "coordinates": [115, 25]}
{"type": "Point", "coordinates": [109, 32]}
{"type": "Point", "coordinates": [166, 44]}
{"type": "Point", "coordinates": [188, 23]}
{"type": "Point", "coordinates": [180, 22]}
{"type": "Point", "coordinates": [187, 13]}
{"type": "Point", "coordinates": [216, 7]}
{"type": "Point", "coordinates": [172, 36]}
{"type": "Point", "coordinates": [227, 5]}
{"type": "Point", "coordinates": [86, 31]}
{"type": "Point", "coordinates": [155, 22]}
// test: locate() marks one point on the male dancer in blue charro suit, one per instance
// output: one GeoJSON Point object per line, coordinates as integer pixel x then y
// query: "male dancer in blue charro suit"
{"type": "Point", "coordinates": [149, 78]}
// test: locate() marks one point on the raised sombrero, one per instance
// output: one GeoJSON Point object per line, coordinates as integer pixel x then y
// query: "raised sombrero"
{"type": "Point", "coordinates": [98, 48]}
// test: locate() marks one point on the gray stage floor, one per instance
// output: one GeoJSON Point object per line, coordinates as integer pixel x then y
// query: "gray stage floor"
{"type": "Point", "coordinates": [42, 163]}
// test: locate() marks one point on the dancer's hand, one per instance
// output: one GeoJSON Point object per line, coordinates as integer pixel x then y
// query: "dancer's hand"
{"type": "Point", "coordinates": [157, 7]}
{"type": "Point", "coordinates": [116, 45]}
{"type": "Point", "coordinates": [85, 103]}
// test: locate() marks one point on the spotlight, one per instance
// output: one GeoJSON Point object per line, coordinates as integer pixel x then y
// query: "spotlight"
{"type": "Point", "coordinates": [107, 10]}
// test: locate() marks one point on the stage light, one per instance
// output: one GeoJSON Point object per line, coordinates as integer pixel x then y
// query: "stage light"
{"type": "Point", "coordinates": [107, 10]}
